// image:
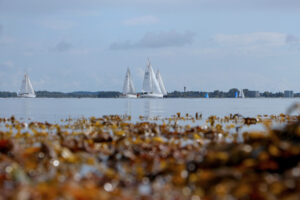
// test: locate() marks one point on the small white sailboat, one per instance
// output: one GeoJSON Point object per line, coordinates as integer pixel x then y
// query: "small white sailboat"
{"type": "Point", "coordinates": [26, 88]}
{"type": "Point", "coordinates": [128, 87]}
{"type": "Point", "coordinates": [161, 83]}
{"type": "Point", "coordinates": [151, 88]}
{"type": "Point", "coordinates": [241, 95]}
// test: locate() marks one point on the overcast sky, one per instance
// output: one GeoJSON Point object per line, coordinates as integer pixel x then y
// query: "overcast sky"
{"type": "Point", "coordinates": [73, 45]}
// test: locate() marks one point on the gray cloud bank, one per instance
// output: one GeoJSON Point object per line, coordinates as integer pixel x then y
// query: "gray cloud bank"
{"type": "Point", "coordinates": [62, 46]}
{"type": "Point", "coordinates": [157, 40]}
{"type": "Point", "coordinates": [292, 39]}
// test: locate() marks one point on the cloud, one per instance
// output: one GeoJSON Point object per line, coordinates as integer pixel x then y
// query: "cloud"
{"type": "Point", "coordinates": [7, 65]}
{"type": "Point", "coordinates": [58, 24]}
{"type": "Point", "coordinates": [291, 39]}
{"type": "Point", "coordinates": [69, 48]}
{"type": "Point", "coordinates": [255, 44]}
{"type": "Point", "coordinates": [62, 46]}
{"type": "Point", "coordinates": [259, 38]}
{"type": "Point", "coordinates": [144, 20]}
{"type": "Point", "coordinates": [157, 40]}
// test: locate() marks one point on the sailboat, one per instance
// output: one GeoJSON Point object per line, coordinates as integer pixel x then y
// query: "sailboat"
{"type": "Point", "coordinates": [241, 95]}
{"type": "Point", "coordinates": [26, 88]}
{"type": "Point", "coordinates": [151, 88]}
{"type": "Point", "coordinates": [161, 83]}
{"type": "Point", "coordinates": [128, 87]}
{"type": "Point", "coordinates": [206, 95]}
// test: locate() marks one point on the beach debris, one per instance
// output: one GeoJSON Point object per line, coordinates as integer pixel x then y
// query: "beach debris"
{"type": "Point", "coordinates": [111, 157]}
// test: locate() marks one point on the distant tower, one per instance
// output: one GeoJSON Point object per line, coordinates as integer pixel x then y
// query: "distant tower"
{"type": "Point", "coordinates": [184, 89]}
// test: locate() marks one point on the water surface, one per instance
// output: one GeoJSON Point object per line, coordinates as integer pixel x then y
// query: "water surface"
{"type": "Point", "coordinates": [55, 109]}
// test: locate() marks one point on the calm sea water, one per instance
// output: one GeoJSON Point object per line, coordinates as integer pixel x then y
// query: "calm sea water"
{"type": "Point", "coordinates": [53, 110]}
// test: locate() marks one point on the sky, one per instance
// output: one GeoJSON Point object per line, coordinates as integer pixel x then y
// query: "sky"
{"type": "Point", "coordinates": [205, 45]}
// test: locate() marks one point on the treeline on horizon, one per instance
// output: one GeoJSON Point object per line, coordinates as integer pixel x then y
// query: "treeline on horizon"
{"type": "Point", "coordinates": [80, 94]}
{"type": "Point", "coordinates": [176, 94]}
{"type": "Point", "coordinates": [230, 94]}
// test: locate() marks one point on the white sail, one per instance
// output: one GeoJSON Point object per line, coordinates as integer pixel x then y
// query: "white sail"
{"type": "Point", "coordinates": [150, 84]}
{"type": "Point", "coordinates": [161, 83]}
{"type": "Point", "coordinates": [131, 86]}
{"type": "Point", "coordinates": [147, 84]}
{"type": "Point", "coordinates": [128, 87]}
{"type": "Point", "coordinates": [241, 94]}
{"type": "Point", "coordinates": [26, 88]}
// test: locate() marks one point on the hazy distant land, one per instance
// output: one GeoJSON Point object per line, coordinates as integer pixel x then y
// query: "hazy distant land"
{"type": "Point", "coordinates": [175, 94]}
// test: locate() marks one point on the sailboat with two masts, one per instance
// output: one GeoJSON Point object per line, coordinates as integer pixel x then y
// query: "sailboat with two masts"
{"type": "Point", "coordinates": [128, 87]}
{"type": "Point", "coordinates": [26, 88]}
{"type": "Point", "coordinates": [151, 87]}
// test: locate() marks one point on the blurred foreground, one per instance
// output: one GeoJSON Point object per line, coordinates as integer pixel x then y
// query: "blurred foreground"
{"type": "Point", "coordinates": [112, 158]}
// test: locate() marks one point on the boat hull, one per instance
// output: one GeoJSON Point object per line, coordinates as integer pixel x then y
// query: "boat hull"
{"type": "Point", "coordinates": [152, 95]}
{"type": "Point", "coordinates": [129, 96]}
{"type": "Point", "coordinates": [27, 95]}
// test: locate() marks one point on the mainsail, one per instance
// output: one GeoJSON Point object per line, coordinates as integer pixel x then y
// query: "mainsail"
{"type": "Point", "coordinates": [161, 83]}
{"type": "Point", "coordinates": [241, 94]}
{"type": "Point", "coordinates": [128, 87]}
{"type": "Point", "coordinates": [26, 87]}
{"type": "Point", "coordinates": [150, 84]}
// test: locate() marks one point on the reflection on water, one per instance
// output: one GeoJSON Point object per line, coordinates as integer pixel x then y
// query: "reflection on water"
{"type": "Point", "coordinates": [128, 110]}
{"type": "Point", "coordinates": [53, 110]}
{"type": "Point", "coordinates": [26, 108]}
{"type": "Point", "coordinates": [153, 108]}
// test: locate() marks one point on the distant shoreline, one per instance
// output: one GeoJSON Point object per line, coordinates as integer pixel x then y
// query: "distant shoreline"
{"type": "Point", "coordinates": [175, 94]}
